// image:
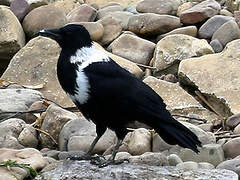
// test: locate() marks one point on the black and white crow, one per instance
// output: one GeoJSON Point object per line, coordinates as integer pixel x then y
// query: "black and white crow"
{"type": "Point", "coordinates": [109, 95]}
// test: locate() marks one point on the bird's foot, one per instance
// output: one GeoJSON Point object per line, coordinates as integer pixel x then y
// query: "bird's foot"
{"type": "Point", "coordinates": [80, 157]}
{"type": "Point", "coordinates": [100, 161]}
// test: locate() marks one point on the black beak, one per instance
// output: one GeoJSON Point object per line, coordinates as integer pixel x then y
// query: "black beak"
{"type": "Point", "coordinates": [51, 33]}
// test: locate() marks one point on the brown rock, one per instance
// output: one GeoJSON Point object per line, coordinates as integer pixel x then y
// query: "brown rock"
{"type": "Point", "coordinates": [83, 13]}
{"type": "Point", "coordinates": [37, 3]}
{"type": "Point", "coordinates": [200, 12]}
{"type": "Point", "coordinates": [36, 19]}
{"type": "Point", "coordinates": [133, 48]}
{"type": "Point", "coordinates": [67, 5]}
{"type": "Point", "coordinates": [185, 6]}
{"type": "Point", "coordinates": [150, 24]}
{"type": "Point", "coordinates": [233, 121]}
{"type": "Point", "coordinates": [106, 10]}
{"type": "Point", "coordinates": [112, 29]}
{"type": "Point", "coordinates": [231, 148]}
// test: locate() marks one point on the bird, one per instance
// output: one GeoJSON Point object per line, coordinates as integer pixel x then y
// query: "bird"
{"type": "Point", "coordinates": [109, 95]}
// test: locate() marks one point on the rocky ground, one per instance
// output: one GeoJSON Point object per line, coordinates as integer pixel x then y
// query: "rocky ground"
{"type": "Point", "coordinates": [187, 51]}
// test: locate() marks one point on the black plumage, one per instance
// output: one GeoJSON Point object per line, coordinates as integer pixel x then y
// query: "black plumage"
{"type": "Point", "coordinates": [109, 95]}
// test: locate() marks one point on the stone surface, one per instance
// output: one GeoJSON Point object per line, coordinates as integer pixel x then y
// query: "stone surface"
{"type": "Point", "coordinates": [83, 13]}
{"type": "Point", "coordinates": [78, 134]}
{"type": "Point", "coordinates": [108, 9]}
{"type": "Point", "coordinates": [237, 130]}
{"type": "Point", "coordinates": [67, 5]}
{"type": "Point", "coordinates": [187, 166]}
{"type": "Point", "coordinates": [211, 25]}
{"type": "Point", "coordinates": [233, 121]}
{"type": "Point", "coordinates": [185, 6]}
{"type": "Point", "coordinates": [205, 165]}
{"type": "Point", "coordinates": [220, 88]}
{"type": "Point", "coordinates": [112, 29]}
{"type": "Point", "coordinates": [188, 30]}
{"type": "Point", "coordinates": [150, 23]}
{"type": "Point", "coordinates": [55, 117]}
{"type": "Point", "coordinates": [24, 156]}
{"type": "Point", "coordinates": [200, 12]}
{"type": "Point", "coordinates": [28, 137]}
{"type": "Point", "coordinates": [232, 5]}
{"type": "Point", "coordinates": [177, 100]}
{"type": "Point", "coordinates": [228, 32]}
{"type": "Point", "coordinates": [20, 8]}
{"type": "Point", "coordinates": [128, 65]}
{"type": "Point", "coordinates": [68, 170]}
{"type": "Point", "coordinates": [173, 49]}
{"type": "Point", "coordinates": [12, 37]}
{"type": "Point", "coordinates": [232, 164]}
{"type": "Point", "coordinates": [37, 3]}
{"type": "Point", "coordinates": [10, 130]}
{"type": "Point", "coordinates": [95, 29]}
{"type": "Point", "coordinates": [174, 159]}
{"type": "Point", "coordinates": [17, 100]}
{"type": "Point", "coordinates": [36, 19]}
{"type": "Point", "coordinates": [231, 148]}
{"type": "Point", "coordinates": [158, 6]}
{"type": "Point", "coordinates": [133, 48]}
{"type": "Point", "coordinates": [216, 45]}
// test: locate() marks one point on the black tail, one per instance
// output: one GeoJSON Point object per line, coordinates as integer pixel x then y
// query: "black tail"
{"type": "Point", "coordinates": [173, 132]}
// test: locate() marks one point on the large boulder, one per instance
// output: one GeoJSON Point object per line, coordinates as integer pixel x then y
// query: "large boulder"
{"type": "Point", "coordinates": [217, 77]}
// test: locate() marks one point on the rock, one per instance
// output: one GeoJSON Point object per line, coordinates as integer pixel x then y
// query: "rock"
{"type": "Point", "coordinates": [67, 5]}
{"type": "Point", "coordinates": [237, 17]}
{"type": "Point", "coordinates": [36, 19]}
{"type": "Point", "coordinates": [28, 137]}
{"type": "Point", "coordinates": [55, 117]}
{"type": "Point", "coordinates": [83, 13]}
{"type": "Point", "coordinates": [78, 134]}
{"type": "Point", "coordinates": [178, 101]}
{"type": "Point", "coordinates": [122, 16]}
{"type": "Point", "coordinates": [37, 3]}
{"type": "Point", "coordinates": [208, 127]}
{"type": "Point", "coordinates": [232, 164]}
{"type": "Point", "coordinates": [35, 64]}
{"type": "Point", "coordinates": [10, 130]}
{"type": "Point", "coordinates": [233, 121]}
{"type": "Point", "coordinates": [169, 78]}
{"type": "Point", "coordinates": [24, 156]}
{"type": "Point", "coordinates": [5, 2]}
{"type": "Point", "coordinates": [152, 24]}
{"type": "Point", "coordinates": [187, 166]}
{"type": "Point", "coordinates": [149, 158]}
{"type": "Point", "coordinates": [188, 30]}
{"type": "Point", "coordinates": [83, 170]}
{"type": "Point", "coordinates": [131, 9]}
{"type": "Point", "coordinates": [220, 88]}
{"type": "Point", "coordinates": [138, 141]}
{"type": "Point", "coordinates": [95, 29]}
{"type": "Point", "coordinates": [200, 12]}
{"type": "Point", "coordinates": [185, 6]}
{"type": "Point", "coordinates": [108, 9]}
{"type": "Point", "coordinates": [237, 130]}
{"type": "Point", "coordinates": [133, 48]}
{"type": "Point", "coordinates": [51, 153]}
{"type": "Point", "coordinates": [232, 5]}
{"type": "Point", "coordinates": [231, 148]}
{"type": "Point", "coordinates": [12, 37]}
{"type": "Point", "coordinates": [211, 25]}
{"type": "Point", "coordinates": [173, 49]}
{"type": "Point", "coordinates": [122, 155]}
{"type": "Point", "coordinates": [216, 45]}
{"type": "Point", "coordinates": [158, 6]}
{"type": "Point", "coordinates": [174, 160]}
{"type": "Point", "coordinates": [225, 12]}
{"type": "Point", "coordinates": [31, 118]}
{"type": "Point", "coordinates": [128, 65]}
{"type": "Point", "coordinates": [110, 4]}
{"type": "Point", "coordinates": [17, 100]}
{"type": "Point", "coordinates": [20, 8]}
{"type": "Point", "coordinates": [228, 32]}
{"type": "Point", "coordinates": [205, 165]}
{"type": "Point", "coordinates": [211, 153]}
{"type": "Point", "coordinates": [112, 29]}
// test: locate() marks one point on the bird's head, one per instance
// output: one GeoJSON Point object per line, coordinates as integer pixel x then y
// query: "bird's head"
{"type": "Point", "coordinates": [71, 36]}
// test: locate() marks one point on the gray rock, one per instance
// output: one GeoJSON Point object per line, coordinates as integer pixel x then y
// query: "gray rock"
{"type": "Point", "coordinates": [231, 148]}
{"type": "Point", "coordinates": [174, 159]}
{"type": "Point", "coordinates": [55, 117]}
{"type": "Point", "coordinates": [205, 165]}
{"type": "Point", "coordinates": [104, 11]}
{"type": "Point", "coordinates": [233, 121]}
{"type": "Point", "coordinates": [158, 6]}
{"type": "Point", "coordinates": [228, 32]}
{"type": "Point", "coordinates": [237, 129]}
{"type": "Point", "coordinates": [211, 25]}
{"type": "Point", "coordinates": [187, 166]}
{"type": "Point", "coordinates": [216, 45]}
{"type": "Point", "coordinates": [78, 134]}
{"type": "Point", "coordinates": [37, 3]}
{"type": "Point", "coordinates": [200, 12]}
{"type": "Point", "coordinates": [232, 164]}
{"type": "Point", "coordinates": [206, 73]}
{"type": "Point", "coordinates": [173, 49]}
{"type": "Point", "coordinates": [16, 100]}
{"type": "Point", "coordinates": [112, 29]}
{"type": "Point", "coordinates": [208, 127]}
{"type": "Point", "coordinates": [20, 8]}
{"type": "Point", "coordinates": [84, 170]}
{"type": "Point", "coordinates": [83, 13]}
{"type": "Point", "coordinates": [131, 9]}
{"type": "Point", "coordinates": [36, 19]}
{"type": "Point", "coordinates": [28, 137]}
{"type": "Point", "coordinates": [232, 5]}
{"type": "Point", "coordinates": [133, 48]}
{"type": "Point", "coordinates": [12, 36]}
{"type": "Point", "coordinates": [152, 24]}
